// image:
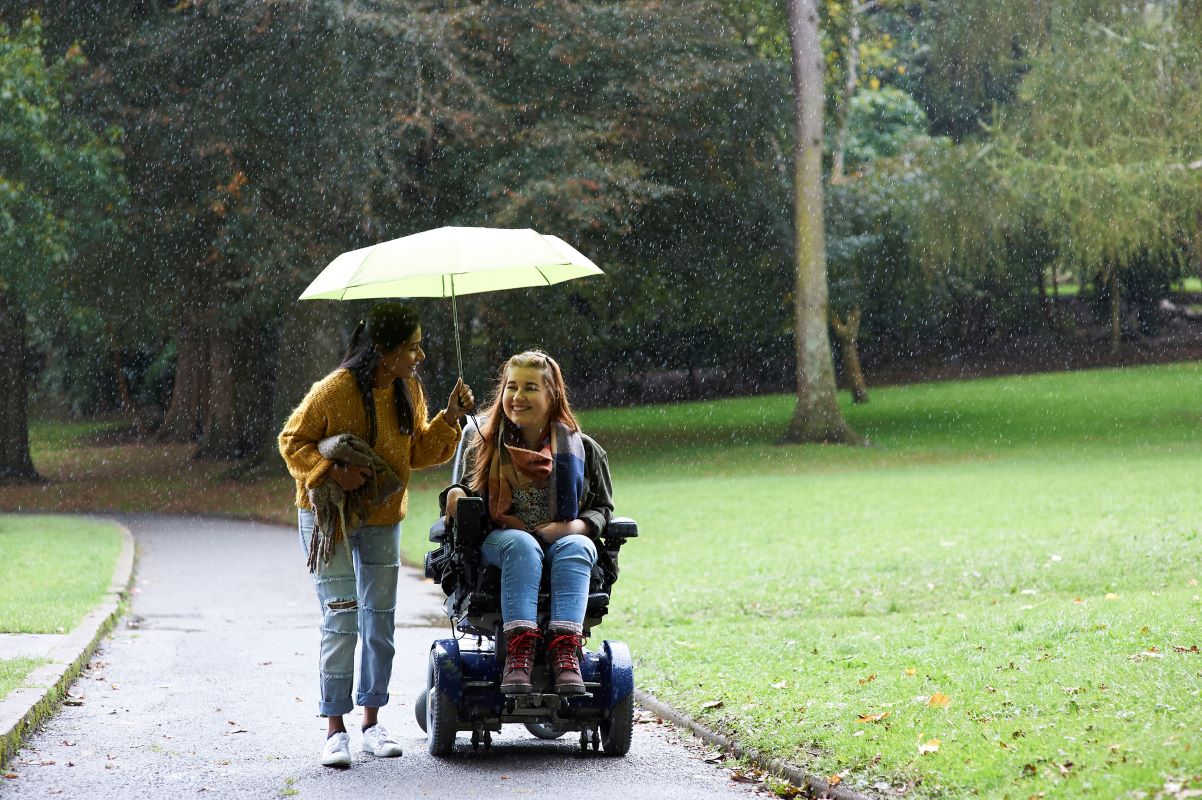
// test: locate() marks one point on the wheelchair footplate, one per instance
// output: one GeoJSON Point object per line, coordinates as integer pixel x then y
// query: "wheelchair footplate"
{"type": "Point", "coordinates": [538, 704]}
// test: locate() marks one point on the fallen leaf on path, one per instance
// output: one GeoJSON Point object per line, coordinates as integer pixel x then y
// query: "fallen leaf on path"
{"type": "Point", "coordinates": [869, 679]}
{"type": "Point", "coordinates": [872, 717]}
{"type": "Point", "coordinates": [834, 780]}
{"type": "Point", "coordinates": [12, 776]}
{"type": "Point", "coordinates": [1147, 655]}
{"type": "Point", "coordinates": [1181, 649]}
{"type": "Point", "coordinates": [1077, 601]}
{"type": "Point", "coordinates": [911, 672]}
{"type": "Point", "coordinates": [712, 704]}
{"type": "Point", "coordinates": [1066, 768]}
{"type": "Point", "coordinates": [72, 701]}
{"type": "Point", "coordinates": [739, 776]}
{"type": "Point", "coordinates": [938, 700]}
{"type": "Point", "coordinates": [929, 746]}
{"type": "Point", "coordinates": [1073, 689]}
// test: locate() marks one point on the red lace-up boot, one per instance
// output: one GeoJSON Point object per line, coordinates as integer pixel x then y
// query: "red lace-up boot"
{"type": "Point", "coordinates": [520, 644]}
{"type": "Point", "coordinates": [563, 657]}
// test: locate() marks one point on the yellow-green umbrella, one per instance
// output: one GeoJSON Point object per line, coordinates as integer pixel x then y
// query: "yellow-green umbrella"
{"type": "Point", "coordinates": [447, 262]}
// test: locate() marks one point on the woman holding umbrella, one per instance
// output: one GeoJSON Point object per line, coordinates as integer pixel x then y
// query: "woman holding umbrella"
{"type": "Point", "coordinates": [375, 396]}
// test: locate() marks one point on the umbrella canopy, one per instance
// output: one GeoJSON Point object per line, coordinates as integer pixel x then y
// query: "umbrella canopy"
{"type": "Point", "coordinates": [447, 262]}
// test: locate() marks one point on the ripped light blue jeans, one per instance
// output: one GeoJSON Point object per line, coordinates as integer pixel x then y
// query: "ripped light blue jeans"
{"type": "Point", "coordinates": [357, 592]}
{"type": "Point", "coordinates": [520, 557]}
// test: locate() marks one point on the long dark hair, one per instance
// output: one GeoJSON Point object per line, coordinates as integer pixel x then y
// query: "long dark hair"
{"type": "Point", "coordinates": [387, 326]}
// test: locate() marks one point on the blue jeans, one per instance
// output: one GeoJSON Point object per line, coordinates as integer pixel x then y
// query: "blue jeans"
{"type": "Point", "coordinates": [357, 592]}
{"type": "Point", "coordinates": [520, 557]}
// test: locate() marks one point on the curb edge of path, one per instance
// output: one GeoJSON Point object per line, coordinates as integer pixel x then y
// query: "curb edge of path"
{"type": "Point", "coordinates": [24, 709]}
{"type": "Point", "coordinates": [811, 785]}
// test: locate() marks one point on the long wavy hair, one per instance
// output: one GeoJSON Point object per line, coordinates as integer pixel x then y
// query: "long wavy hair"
{"type": "Point", "coordinates": [485, 445]}
{"type": "Point", "coordinates": [388, 325]}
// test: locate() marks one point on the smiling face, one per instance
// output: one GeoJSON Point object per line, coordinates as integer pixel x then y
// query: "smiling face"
{"type": "Point", "coordinates": [402, 360]}
{"type": "Point", "coordinates": [525, 398]}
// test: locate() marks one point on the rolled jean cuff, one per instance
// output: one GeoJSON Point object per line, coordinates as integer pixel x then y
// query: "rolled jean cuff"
{"type": "Point", "coordinates": [371, 700]}
{"type": "Point", "coordinates": [334, 708]}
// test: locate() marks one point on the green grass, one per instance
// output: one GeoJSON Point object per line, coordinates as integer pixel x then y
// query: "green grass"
{"type": "Point", "coordinates": [1185, 286]}
{"type": "Point", "coordinates": [53, 571]}
{"type": "Point", "coordinates": [13, 672]}
{"type": "Point", "coordinates": [1009, 543]}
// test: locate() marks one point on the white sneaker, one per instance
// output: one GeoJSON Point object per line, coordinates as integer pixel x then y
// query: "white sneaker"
{"type": "Point", "coordinates": [337, 752]}
{"type": "Point", "coordinates": [377, 742]}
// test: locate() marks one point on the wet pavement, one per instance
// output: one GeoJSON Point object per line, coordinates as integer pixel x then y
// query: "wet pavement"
{"type": "Point", "coordinates": [208, 689]}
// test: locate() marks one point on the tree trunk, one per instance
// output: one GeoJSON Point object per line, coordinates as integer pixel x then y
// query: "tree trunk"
{"type": "Point", "coordinates": [184, 420]}
{"type": "Point", "coordinates": [839, 155]}
{"type": "Point", "coordinates": [817, 417]}
{"type": "Point", "coordinates": [847, 333]}
{"type": "Point", "coordinates": [124, 395]}
{"type": "Point", "coordinates": [1116, 317]}
{"type": "Point", "coordinates": [16, 466]}
{"type": "Point", "coordinates": [1198, 240]}
{"type": "Point", "coordinates": [1047, 303]}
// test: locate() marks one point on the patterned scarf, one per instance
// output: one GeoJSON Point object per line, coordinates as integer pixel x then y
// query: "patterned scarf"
{"type": "Point", "coordinates": [560, 462]}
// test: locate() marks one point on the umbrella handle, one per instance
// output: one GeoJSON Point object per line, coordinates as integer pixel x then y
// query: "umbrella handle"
{"type": "Point", "coordinates": [458, 348]}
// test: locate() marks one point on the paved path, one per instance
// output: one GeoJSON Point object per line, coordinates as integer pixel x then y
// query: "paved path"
{"type": "Point", "coordinates": [208, 690]}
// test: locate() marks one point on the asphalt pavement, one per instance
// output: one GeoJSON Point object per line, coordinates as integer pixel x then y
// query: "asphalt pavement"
{"type": "Point", "coordinates": [208, 689]}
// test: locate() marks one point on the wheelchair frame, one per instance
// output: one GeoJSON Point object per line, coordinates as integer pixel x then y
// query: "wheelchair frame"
{"type": "Point", "coordinates": [463, 681]}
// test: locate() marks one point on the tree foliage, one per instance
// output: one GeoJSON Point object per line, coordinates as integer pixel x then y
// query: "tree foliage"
{"type": "Point", "coordinates": [60, 203]}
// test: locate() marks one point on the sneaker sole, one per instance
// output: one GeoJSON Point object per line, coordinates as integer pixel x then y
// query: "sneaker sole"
{"type": "Point", "coordinates": [397, 754]}
{"type": "Point", "coordinates": [336, 763]}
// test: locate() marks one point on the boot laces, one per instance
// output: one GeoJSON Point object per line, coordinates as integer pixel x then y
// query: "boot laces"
{"type": "Point", "coordinates": [519, 652]}
{"type": "Point", "coordinates": [563, 651]}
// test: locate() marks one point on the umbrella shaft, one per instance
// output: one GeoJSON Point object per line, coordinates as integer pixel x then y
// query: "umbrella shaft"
{"type": "Point", "coordinates": [455, 324]}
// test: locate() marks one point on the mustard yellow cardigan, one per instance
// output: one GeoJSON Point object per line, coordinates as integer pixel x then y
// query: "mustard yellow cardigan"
{"type": "Point", "coordinates": [333, 406]}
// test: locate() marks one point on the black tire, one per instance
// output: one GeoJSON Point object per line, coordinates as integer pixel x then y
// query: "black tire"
{"type": "Point", "coordinates": [616, 732]}
{"type": "Point", "coordinates": [419, 709]}
{"type": "Point", "coordinates": [442, 721]}
{"type": "Point", "coordinates": [442, 715]}
{"type": "Point", "coordinates": [543, 731]}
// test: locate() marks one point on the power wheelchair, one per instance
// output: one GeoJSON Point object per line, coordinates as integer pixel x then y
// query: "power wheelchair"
{"type": "Point", "coordinates": [463, 685]}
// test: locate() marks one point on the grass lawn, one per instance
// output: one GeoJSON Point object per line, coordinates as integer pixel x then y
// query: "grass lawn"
{"type": "Point", "coordinates": [1189, 285]}
{"type": "Point", "coordinates": [1007, 575]}
{"type": "Point", "coordinates": [54, 571]}
{"type": "Point", "coordinates": [13, 672]}
{"type": "Point", "coordinates": [1007, 579]}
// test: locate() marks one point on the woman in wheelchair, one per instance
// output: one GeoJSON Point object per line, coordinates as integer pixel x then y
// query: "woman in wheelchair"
{"type": "Point", "coordinates": [547, 495]}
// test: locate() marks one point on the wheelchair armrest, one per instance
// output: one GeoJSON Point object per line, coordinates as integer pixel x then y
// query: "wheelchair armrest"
{"type": "Point", "coordinates": [438, 531]}
{"type": "Point", "coordinates": [468, 530]}
{"type": "Point", "coordinates": [619, 530]}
